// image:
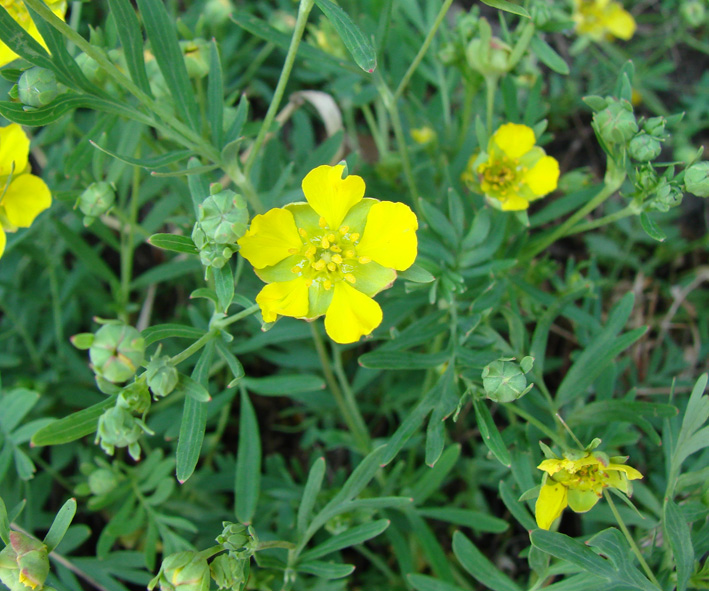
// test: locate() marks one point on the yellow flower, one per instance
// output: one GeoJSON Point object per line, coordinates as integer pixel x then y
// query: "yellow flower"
{"type": "Point", "coordinates": [18, 11]}
{"type": "Point", "coordinates": [23, 195]}
{"type": "Point", "coordinates": [330, 255]}
{"type": "Point", "coordinates": [513, 171]}
{"type": "Point", "coordinates": [577, 480]}
{"type": "Point", "coordinates": [423, 135]}
{"type": "Point", "coordinates": [603, 19]}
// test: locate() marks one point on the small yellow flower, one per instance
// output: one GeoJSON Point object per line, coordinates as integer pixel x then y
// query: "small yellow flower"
{"type": "Point", "coordinates": [18, 11]}
{"type": "Point", "coordinates": [423, 135]}
{"type": "Point", "coordinates": [577, 480]}
{"type": "Point", "coordinates": [23, 196]}
{"type": "Point", "coordinates": [513, 171]}
{"type": "Point", "coordinates": [330, 255]}
{"type": "Point", "coordinates": [603, 19]}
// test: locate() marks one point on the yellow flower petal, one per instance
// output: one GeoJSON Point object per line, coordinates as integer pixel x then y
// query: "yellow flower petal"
{"type": "Point", "coordinates": [390, 235]}
{"type": "Point", "coordinates": [581, 501]}
{"type": "Point", "coordinates": [6, 54]}
{"type": "Point", "coordinates": [514, 203]}
{"type": "Point", "coordinates": [3, 240]}
{"type": "Point", "coordinates": [14, 147]}
{"type": "Point", "coordinates": [550, 504]}
{"type": "Point", "coordinates": [270, 239]}
{"type": "Point", "coordinates": [543, 177]}
{"type": "Point", "coordinates": [620, 22]}
{"type": "Point", "coordinates": [351, 314]}
{"type": "Point", "coordinates": [514, 139]}
{"type": "Point", "coordinates": [289, 298]}
{"type": "Point", "coordinates": [330, 195]}
{"type": "Point", "coordinates": [551, 466]}
{"type": "Point", "coordinates": [25, 198]}
{"type": "Point", "coordinates": [630, 472]}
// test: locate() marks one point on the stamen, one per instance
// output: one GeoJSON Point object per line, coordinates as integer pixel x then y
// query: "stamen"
{"type": "Point", "coordinates": [336, 258]}
{"type": "Point", "coordinates": [364, 260]}
{"type": "Point", "coordinates": [344, 230]}
{"type": "Point", "coordinates": [331, 237]}
{"type": "Point", "coordinates": [351, 278]}
{"type": "Point", "coordinates": [349, 254]}
{"type": "Point", "coordinates": [319, 265]}
{"type": "Point", "coordinates": [354, 236]}
{"type": "Point", "coordinates": [325, 243]}
{"type": "Point", "coordinates": [335, 248]}
{"type": "Point", "coordinates": [302, 232]}
{"type": "Point", "coordinates": [327, 284]}
{"type": "Point", "coordinates": [322, 222]}
{"type": "Point", "coordinates": [308, 282]}
{"type": "Point", "coordinates": [332, 266]}
{"type": "Point", "coordinates": [310, 251]}
{"type": "Point", "coordinates": [295, 269]}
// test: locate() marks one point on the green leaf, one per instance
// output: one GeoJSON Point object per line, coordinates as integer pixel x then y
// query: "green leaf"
{"type": "Point", "coordinates": [73, 427]}
{"type": "Point", "coordinates": [159, 332]}
{"type": "Point", "coordinates": [194, 421]}
{"type": "Point", "coordinates": [479, 566]}
{"type": "Point", "coordinates": [326, 570]}
{"type": "Point", "coordinates": [507, 7]}
{"type": "Point", "coordinates": [131, 37]}
{"type": "Point", "coordinates": [61, 523]}
{"type": "Point", "coordinates": [20, 41]}
{"type": "Point", "coordinates": [651, 228]}
{"type": "Point", "coordinates": [402, 360]}
{"type": "Point", "coordinates": [4, 523]}
{"type": "Point", "coordinates": [247, 485]}
{"type": "Point", "coordinates": [426, 583]}
{"type": "Point", "coordinates": [356, 43]}
{"type": "Point", "coordinates": [215, 96]}
{"type": "Point", "coordinates": [174, 243]}
{"type": "Point", "coordinates": [160, 29]}
{"type": "Point", "coordinates": [284, 385]}
{"type": "Point", "coordinates": [490, 434]}
{"type": "Point", "coordinates": [678, 532]}
{"type": "Point", "coordinates": [147, 163]}
{"type": "Point", "coordinates": [548, 55]}
{"type": "Point", "coordinates": [193, 389]}
{"type": "Point", "coordinates": [310, 494]}
{"type": "Point", "coordinates": [87, 255]}
{"type": "Point", "coordinates": [61, 105]}
{"type": "Point", "coordinates": [224, 286]}
{"type": "Point", "coordinates": [237, 370]}
{"type": "Point", "coordinates": [237, 125]}
{"type": "Point", "coordinates": [466, 518]}
{"type": "Point", "coordinates": [15, 406]}
{"type": "Point", "coordinates": [351, 537]}
{"type": "Point", "coordinates": [433, 478]}
{"type": "Point", "coordinates": [416, 274]}
{"type": "Point", "coordinates": [518, 510]}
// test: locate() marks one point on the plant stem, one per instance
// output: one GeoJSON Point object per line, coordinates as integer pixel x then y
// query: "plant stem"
{"type": "Point", "coordinates": [238, 316]}
{"type": "Point", "coordinates": [490, 88]}
{"type": "Point", "coordinates": [514, 408]}
{"type": "Point", "coordinates": [303, 11]}
{"type": "Point", "coordinates": [631, 541]}
{"type": "Point", "coordinates": [351, 416]}
{"type": "Point", "coordinates": [422, 51]}
{"type": "Point", "coordinates": [194, 347]}
{"type": "Point", "coordinates": [606, 219]}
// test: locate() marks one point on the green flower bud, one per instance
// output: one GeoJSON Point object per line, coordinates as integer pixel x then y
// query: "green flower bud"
{"type": "Point", "coordinates": [693, 13]}
{"type": "Point", "coordinates": [489, 58]}
{"type": "Point", "coordinates": [24, 563]}
{"type": "Point", "coordinates": [644, 147]}
{"type": "Point", "coordinates": [162, 376]}
{"type": "Point", "coordinates": [504, 381]}
{"type": "Point", "coordinates": [217, 12]}
{"type": "Point", "coordinates": [223, 217]}
{"type": "Point", "coordinates": [102, 481]}
{"type": "Point", "coordinates": [666, 197]}
{"type": "Point", "coordinates": [97, 199]}
{"type": "Point", "coordinates": [215, 255]}
{"type": "Point", "coordinates": [184, 571]}
{"type": "Point", "coordinates": [90, 68]}
{"type": "Point", "coordinates": [196, 58]}
{"type": "Point", "coordinates": [616, 123]}
{"type": "Point", "coordinates": [117, 352]}
{"type": "Point", "coordinates": [228, 571]}
{"type": "Point", "coordinates": [135, 397]}
{"type": "Point", "coordinates": [236, 538]}
{"type": "Point", "coordinates": [696, 179]}
{"type": "Point", "coordinates": [118, 428]}
{"type": "Point", "coordinates": [540, 13]}
{"type": "Point", "coordinates": [37, 87]}
{"type": "Point", "coordinates": [655, 126]}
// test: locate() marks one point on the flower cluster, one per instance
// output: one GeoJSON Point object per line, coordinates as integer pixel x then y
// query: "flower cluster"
{"type": "Point", "coordinates": [603, 19]}
{"type": "Point", "coordinates": [330, 255]}
{"type": "Point", "coordinates": [513, 171]}
{"type": "Point", "coordinates": [18, 11]}
{"type": "Point", "coordinates": [577, 480]}
{"type": "Point", "coordinates": [23, 196]}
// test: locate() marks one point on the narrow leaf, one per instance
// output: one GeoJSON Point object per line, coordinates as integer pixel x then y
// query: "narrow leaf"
{"type": "Point", "coordinates": [73, 427]}
{"type": "Point", "coordinates": [248, 462]}
{"type": "Point", "coordinates": [61, 523]}
{"type": "Point", "coordinates": [479, 566]}
{"type": "Point", "coordinates": [507, 7]}
{"type": "Point", "coordinates": [310, 493]}
{"type": "Point", "coordinates": [351, 537]}
{"type": "Point", "coordinates": [174, 243]}
{"type": "Point", "coordinates": [131, 37]}
{"type": "Point", "coordinates": [548, 55]}
{"type": "Point", "coordinates": [679, 535]}
{"type": "Point", "coordinates": [356, 43]}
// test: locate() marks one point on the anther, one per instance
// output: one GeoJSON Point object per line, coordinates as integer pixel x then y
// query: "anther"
{"type": "Point", "coordinates": [354, 236]}
{"type": "Point", "coordinates": [335, 248]}
{"type": "Point", "coordinates": [302, 232]}
{"type": "Point", "coordinates": [344, 229]}
{"type": "Point", "coordinates": [325, 243]}
{"type": "Point", "coordinates": [349, 254]}
{"type": "Point", "coordinates": [310, 251]}
{"type": "Point", "coordinates": [308, 282]}
{"type": "Point", "coordinates": [332, 266]}
{"type": "Point", "coordinates": [364, 260]}
{"type": "Point", "coordinates": [322, 222]}
{"type": "Point", "coordinates": [336, 258]}
{"type": "Point", "coordinates": [295, 269]}
{"type": "Point", "coordinates": [350, 278]}
{"type": "Point", "coordinates": [319, 265]}
{"type": "Point", "coordinates": [327, 284]}
{"type": "Point", "coordinates": [331, 237]}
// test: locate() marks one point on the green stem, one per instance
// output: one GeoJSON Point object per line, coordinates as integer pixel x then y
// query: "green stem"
{"type": "Point", "coordinates": [303, 11]}
{"type": "Point", "coordinates": [127, 243]}
{"type": "Point", "coordinates": [238, 316]}
{"type": "Point", "coordinates": [348, 395]}
{"type": "Point", "coordinates": [194, 347]}
{"type": "Point", "coordinates": [354, 423]}
{"type": "Point", "coordinates": [490, 89]}
{"type": "Point", "coordinates": [422, 51]}
{"type": "Point", "coordinates": [513, 408]}
{"type": "Point", "coordinates": [627, 211]}
{"type": "Point", "coordinates": [631, 541]}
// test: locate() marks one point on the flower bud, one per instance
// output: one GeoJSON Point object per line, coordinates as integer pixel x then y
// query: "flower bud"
{"type": "Point", "coordinates": [37, 87]}
{"type": "Point", "coordinates": [118, 428]}
{"type": "Point", "coordinates": [196, 58]}
{"type": "Point", "coordinates": [423, 135]}
{"type": "Point", "coordinates": [135, 397]}
{"type": "Point", "coordinates": [504, 381]}
{"type": "Point", "coordinates": [162, 376]}
{"type": "Point", "coordinates": [616, 123]}
{"type": "Point", "coordinates": [96, 200]}
{"type": "Point", "coordinates": [693, 13]}
{"type": "Point", "coordinates": [217, 12]}
{"type": "Point", "coordinates": [666, 197]}
{"type": "Point", "coordinates": [489, 58]}
{"type": "Point", "coordinates": [228, 571]}
{"type": "Point", "coordinates": [102, 481]}
{"type": "Point", "coordinates": [117, 352]}
{"type": "Point", "coordinates": [184, 571]}
{"type": "Point", "coordinates": [644, 147]}
{"type": "Point", "coordinates": [223, 217]}
{"type": "Point", "coordinates": [540, 13]}
{"type": "Point", "coordinates": [655, 126]}
{"type": "Point", "coordinates": [696, 179]}
{"type": "Point", "coordinates": [236, 538]}
{"type": "Point", "coordinates": [24, 563]}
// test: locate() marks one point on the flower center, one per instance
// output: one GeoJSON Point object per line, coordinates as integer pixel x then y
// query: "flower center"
{"type": "Point", "coordinates": [328, 255]}
{"type": "Point", "coordinates": [501, 175]}
{"type": "Point", "coordinates": [17, 11]}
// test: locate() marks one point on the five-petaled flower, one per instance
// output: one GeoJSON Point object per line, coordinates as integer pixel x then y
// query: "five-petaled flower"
{"type": "Point", "coordinates": [18, 11]}
{"type": "Point", "coordinates": [513, 171]}
{"type": "Point", "coordinates": [577, 480]}
{"type": "Point", "coordinates": [23, 196]}
{"type": "Point", "coordinates": [603, 19]}
{"type": "Point", "coordinates": [330, 255]}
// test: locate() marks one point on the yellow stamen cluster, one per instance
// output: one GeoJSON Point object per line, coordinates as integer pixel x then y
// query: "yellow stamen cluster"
{"type": "Point", "coordinates": [501, 175]}
{"type": "Point", "coordinates": [329, 256]}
